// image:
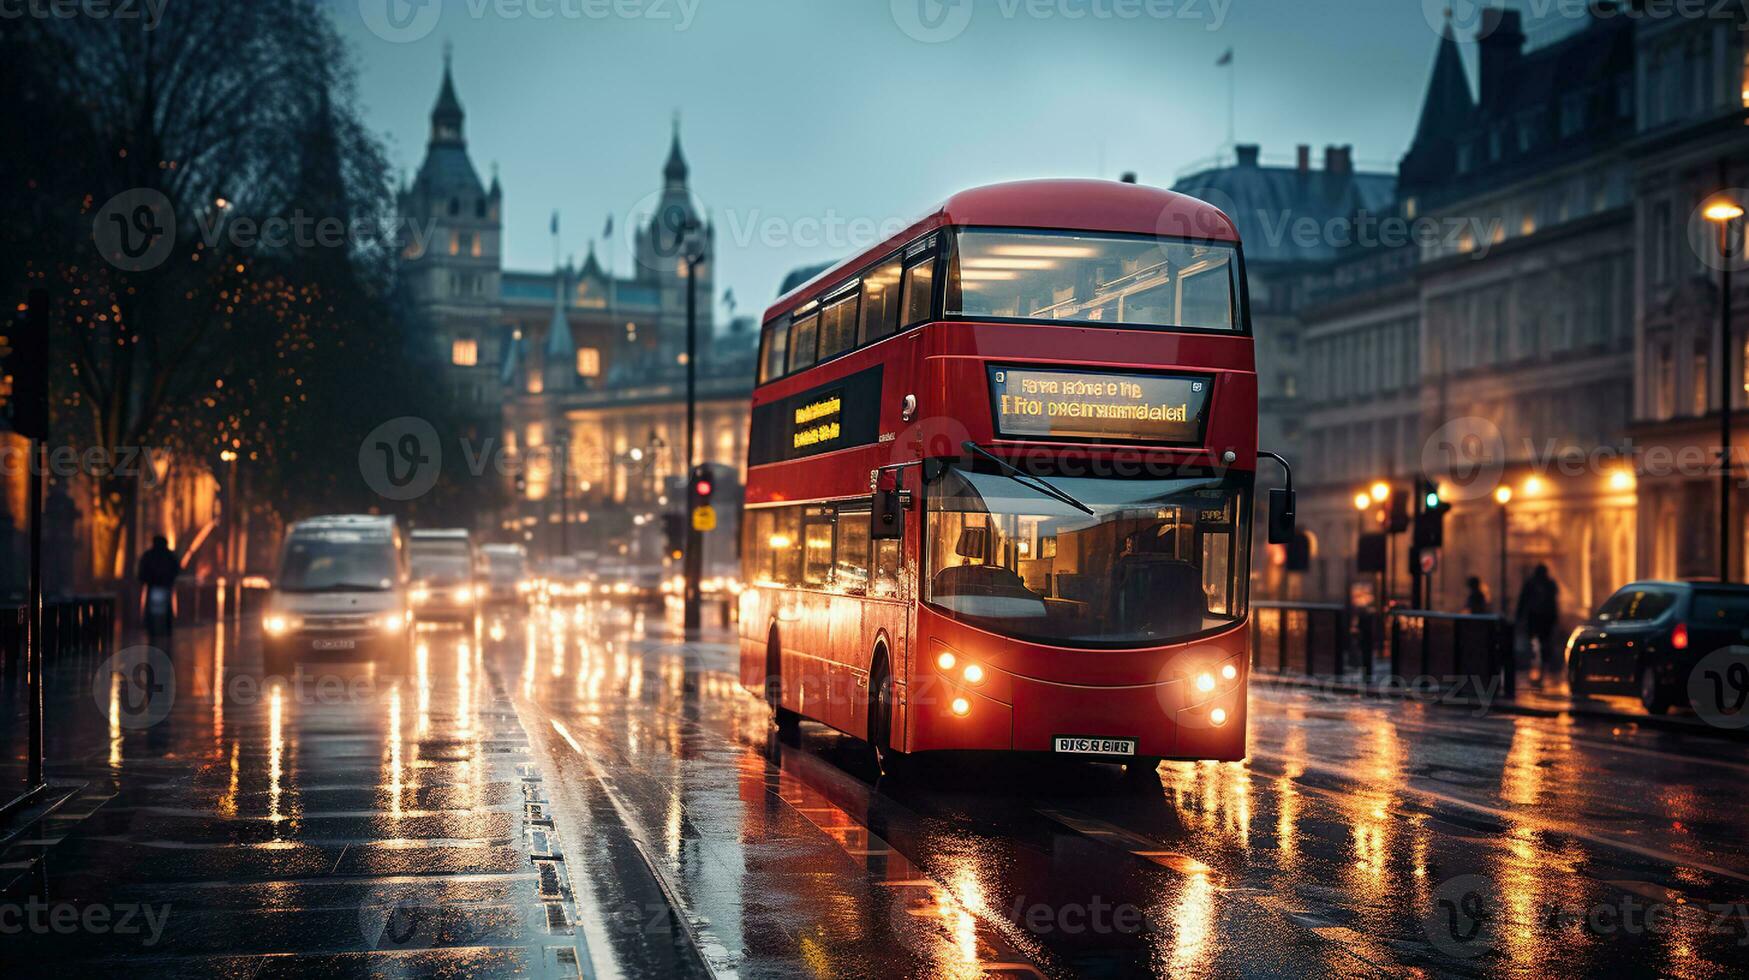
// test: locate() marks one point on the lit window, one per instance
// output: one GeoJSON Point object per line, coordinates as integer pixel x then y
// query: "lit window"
{"type": "Point", "coordinates": [455, 243]}
{"type": "Point", "coordinates": [464, 352]}
{"type": "Point", "coordinates": [474, 244]}
{"type": "Point", "coordinates": [588, 362]}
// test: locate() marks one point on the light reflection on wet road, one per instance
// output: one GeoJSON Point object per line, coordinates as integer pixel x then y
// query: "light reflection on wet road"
{"type": "Point", "coordinates": [1358, 837]}
{"type": "Point", "coordinates": [416, 826]}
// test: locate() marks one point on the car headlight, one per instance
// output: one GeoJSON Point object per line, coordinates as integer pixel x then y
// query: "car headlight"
{"type": "Point", "coordinates": [464, 594]}
{"type": "Point", "coordinates": [420, 595]}
{"type": "Point", "coordinates": [392, 622]}
{"type": "Point", "coordinates": [279, 624]}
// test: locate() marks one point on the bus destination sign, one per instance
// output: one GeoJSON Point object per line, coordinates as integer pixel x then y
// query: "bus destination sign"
{"type": "Point", "coordinates": [1099, 406]}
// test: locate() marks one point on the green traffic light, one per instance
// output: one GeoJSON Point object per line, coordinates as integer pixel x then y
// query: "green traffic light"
{"type": "Point", "coordinates": [1433, 500]}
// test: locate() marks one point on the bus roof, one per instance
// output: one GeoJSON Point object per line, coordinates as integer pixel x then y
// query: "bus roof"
{"type": "Point", "coordinates": [1080, 205]}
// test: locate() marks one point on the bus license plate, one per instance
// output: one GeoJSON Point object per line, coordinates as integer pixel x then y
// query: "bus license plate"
{"type": "Point", "coordinates": [1082, 745]}
{"type": "Point", "coordinates": [334, 644]}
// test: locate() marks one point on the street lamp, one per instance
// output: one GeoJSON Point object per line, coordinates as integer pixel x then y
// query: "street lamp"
{"type": "Point", "coordinates": [1362, 501]}
{"type": "Point", "coordinates": [1503, 496]}
{"type": "Point", "coordinates": [1381, 491]}
{"type": "Point", "coordinates": [1724, 212]}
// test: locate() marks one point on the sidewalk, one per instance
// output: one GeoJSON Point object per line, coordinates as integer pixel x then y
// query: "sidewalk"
{"type": "Point", "coordinates": [1553, 701]}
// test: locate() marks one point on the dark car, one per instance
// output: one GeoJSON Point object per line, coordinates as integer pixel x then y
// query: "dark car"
{"type": "Point", "coordinates": [1647, 637]}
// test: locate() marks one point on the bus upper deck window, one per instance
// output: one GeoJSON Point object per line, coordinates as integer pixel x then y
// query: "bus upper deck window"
{"type": "Point", "coordinates": [776, 347]}
{"type": "Point", "coordinates": [803, 342]}
{"type": "Point", "coordinates": [838, 327]}
{"type": "Point", "coordinates": [880, 303]}
{"type": "Point", "coordinates": [919, 292]}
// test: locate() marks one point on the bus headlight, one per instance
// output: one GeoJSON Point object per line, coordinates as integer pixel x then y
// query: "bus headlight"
{"type": "Point", "coordinates": [1205, 682]}
{"type": "Point", "coordinates": [1218, 716]}
{"type": "Point", "coordinates": [974, 674]}
{"type": "Point", "coordinates": [946, 660]}
{"type": "Point", "coordinates": [1229, 672]}
{"type": "Point", "coordinates": [960, 707]}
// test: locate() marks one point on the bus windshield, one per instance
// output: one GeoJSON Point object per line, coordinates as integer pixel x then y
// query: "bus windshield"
{"type": "Point", "coordinates": [1159, 560]}
{"type": "Point", "coordinates": [1092, 277]}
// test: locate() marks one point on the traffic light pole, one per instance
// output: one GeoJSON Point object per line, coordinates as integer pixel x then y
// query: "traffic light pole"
{"type": "Point", "coordinates": [694, 558]}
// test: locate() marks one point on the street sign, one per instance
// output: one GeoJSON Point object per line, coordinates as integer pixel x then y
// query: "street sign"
{"type": "Point", "coordinates": [704, 518]}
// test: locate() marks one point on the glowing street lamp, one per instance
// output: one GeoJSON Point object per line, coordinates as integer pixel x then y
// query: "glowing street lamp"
{"type": "Point", "coordinates": [1381, 491]}
{"type": "Point", "coordinates": [1723, 211]}
{"type": "Point", "coordinates": [1362, 501]}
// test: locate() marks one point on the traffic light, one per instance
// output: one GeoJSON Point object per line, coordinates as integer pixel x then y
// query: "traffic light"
{"type": "Point", "coordinates": [1430, 521]}
{"type": "Point", "coordinates": [521, 483]}
{"type": "Point", "coordinates": [703, 485]}
{"type": "Point", "coordinates": [1399, 513]}
{"type": "Point", "coordinates": [26, 370]}
{"type": "Point", "coordinates": [674, 534]}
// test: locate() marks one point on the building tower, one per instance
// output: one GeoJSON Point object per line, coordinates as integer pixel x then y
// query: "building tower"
{"type": "Point", "coordinates": [451, 252]}
{"type": "Point", "coordinates": [660, 252]}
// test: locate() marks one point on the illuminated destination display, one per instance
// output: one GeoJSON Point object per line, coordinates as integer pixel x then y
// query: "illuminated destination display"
{"type": "Point", "coordinates": [1099, 406]}
{"type": "Point", "coordinates": [818, 422]}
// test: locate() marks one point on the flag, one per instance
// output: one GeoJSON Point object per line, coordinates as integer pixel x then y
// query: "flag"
{"type": "Point", "coordinates": [729, 298]}
{"type": "Point", "coordinates": [607, 232]}
{"type": "Point", "coordinates": [555, 228]}
{"type": "Point", "coordinates": [1225, 59]}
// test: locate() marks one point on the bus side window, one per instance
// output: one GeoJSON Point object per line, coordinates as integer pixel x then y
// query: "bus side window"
{"type": "Point", "coordinates": [919, 291]}
{"type": "Point", "coordinates": [773, 347]}
{"type": "Point", "coordinates": [784, 544]}
{"type": "Point", "coordinates": [850, 570]}
{"type": "Point", "coordinates": [802, 342]}
{"type": "Point", "coordinates": [838, 327]}
{"type": "Point", "coordinates": [880, 303]}
{"type": "Point", "coordinates": [886, 569]}
{"type": "Point", "coordinates": [817, 547]}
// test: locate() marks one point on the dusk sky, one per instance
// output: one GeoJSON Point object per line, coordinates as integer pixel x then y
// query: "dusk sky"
{"type": "Point", "coordinates": [798, 112]}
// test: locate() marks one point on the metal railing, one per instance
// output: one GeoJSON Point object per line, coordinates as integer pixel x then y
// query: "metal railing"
{"type": "Point", "coordinates": [1452, 647]}
{"type": "Point", "coordinates": [1303, 638]}
{"type": "Point", "coordinates": [71, 624]}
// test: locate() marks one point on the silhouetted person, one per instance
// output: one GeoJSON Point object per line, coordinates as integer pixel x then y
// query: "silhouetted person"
{"type": "Point", "coordinates": [159, 567]}
{"type": "Point", "coordinates": [1539, 607]}
{"type": "Point", "coordinates": [1476, 602]}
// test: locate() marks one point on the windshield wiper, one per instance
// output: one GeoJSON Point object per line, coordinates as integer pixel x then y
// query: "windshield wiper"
{"type": "Point", "coordinates": [1027, 479]}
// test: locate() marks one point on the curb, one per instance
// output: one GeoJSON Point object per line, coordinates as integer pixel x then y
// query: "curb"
{"type": "Point", "coordinates": [1682, 724]}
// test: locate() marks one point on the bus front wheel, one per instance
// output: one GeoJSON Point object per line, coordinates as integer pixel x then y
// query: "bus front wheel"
{"type": "Point", "coordinates": [881, 702]}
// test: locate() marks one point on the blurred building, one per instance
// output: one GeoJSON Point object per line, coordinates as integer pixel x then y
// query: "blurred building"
{"type": "Point", "coordinates": [579, 359]}
{"type": "Point", "coordinates": [1691, 143]}
{"type": "Point", "coordinates": [1482, 312]}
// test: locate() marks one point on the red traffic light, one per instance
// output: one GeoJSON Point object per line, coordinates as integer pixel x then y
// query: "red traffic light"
{"type": "Point", "coordinates": [702, 488]}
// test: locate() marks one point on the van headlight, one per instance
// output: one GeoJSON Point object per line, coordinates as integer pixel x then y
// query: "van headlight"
{"type": "Point", "coordinates": [392, 622]}
{"type": "Point", "coordinates": [279, 624]}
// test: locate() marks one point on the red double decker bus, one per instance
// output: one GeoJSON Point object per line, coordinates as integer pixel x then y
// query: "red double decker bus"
{"type": "Point", "coordinates": [1000, 481]}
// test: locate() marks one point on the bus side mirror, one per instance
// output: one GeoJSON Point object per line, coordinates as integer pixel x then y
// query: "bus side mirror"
{"type": "Point", "coordinates": [1281, 516]}
{"type": "Point", "coordinates": [887, 518]}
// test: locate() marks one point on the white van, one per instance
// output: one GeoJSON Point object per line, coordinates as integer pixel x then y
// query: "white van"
{"type": "Point", "coordinates": [341, 592]}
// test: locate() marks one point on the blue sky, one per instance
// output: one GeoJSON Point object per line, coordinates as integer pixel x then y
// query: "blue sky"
{"type": "Point", "coordinates": [811, 124]}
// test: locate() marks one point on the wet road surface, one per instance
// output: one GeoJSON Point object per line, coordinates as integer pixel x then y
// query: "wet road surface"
{"type": "Point", "coordinates": [577, 792]}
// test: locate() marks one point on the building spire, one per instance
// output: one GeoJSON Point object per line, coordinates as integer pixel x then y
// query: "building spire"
{"type": "Point", "coordinates": [675, 170]}
{"type": "Point", "coordinates": [446, 115]}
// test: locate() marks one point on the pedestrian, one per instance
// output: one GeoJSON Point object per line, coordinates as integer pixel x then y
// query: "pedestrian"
{"type": "Point", "coordinates": [1476, 602]}
{"type": "Point", "coordinates": [1539, 607]}
{"type": "Point", "coordinates": [159, 567]}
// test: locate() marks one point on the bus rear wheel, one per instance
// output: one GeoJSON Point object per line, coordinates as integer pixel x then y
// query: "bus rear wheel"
{"type": "Point", "coordinates": [787, 721]}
